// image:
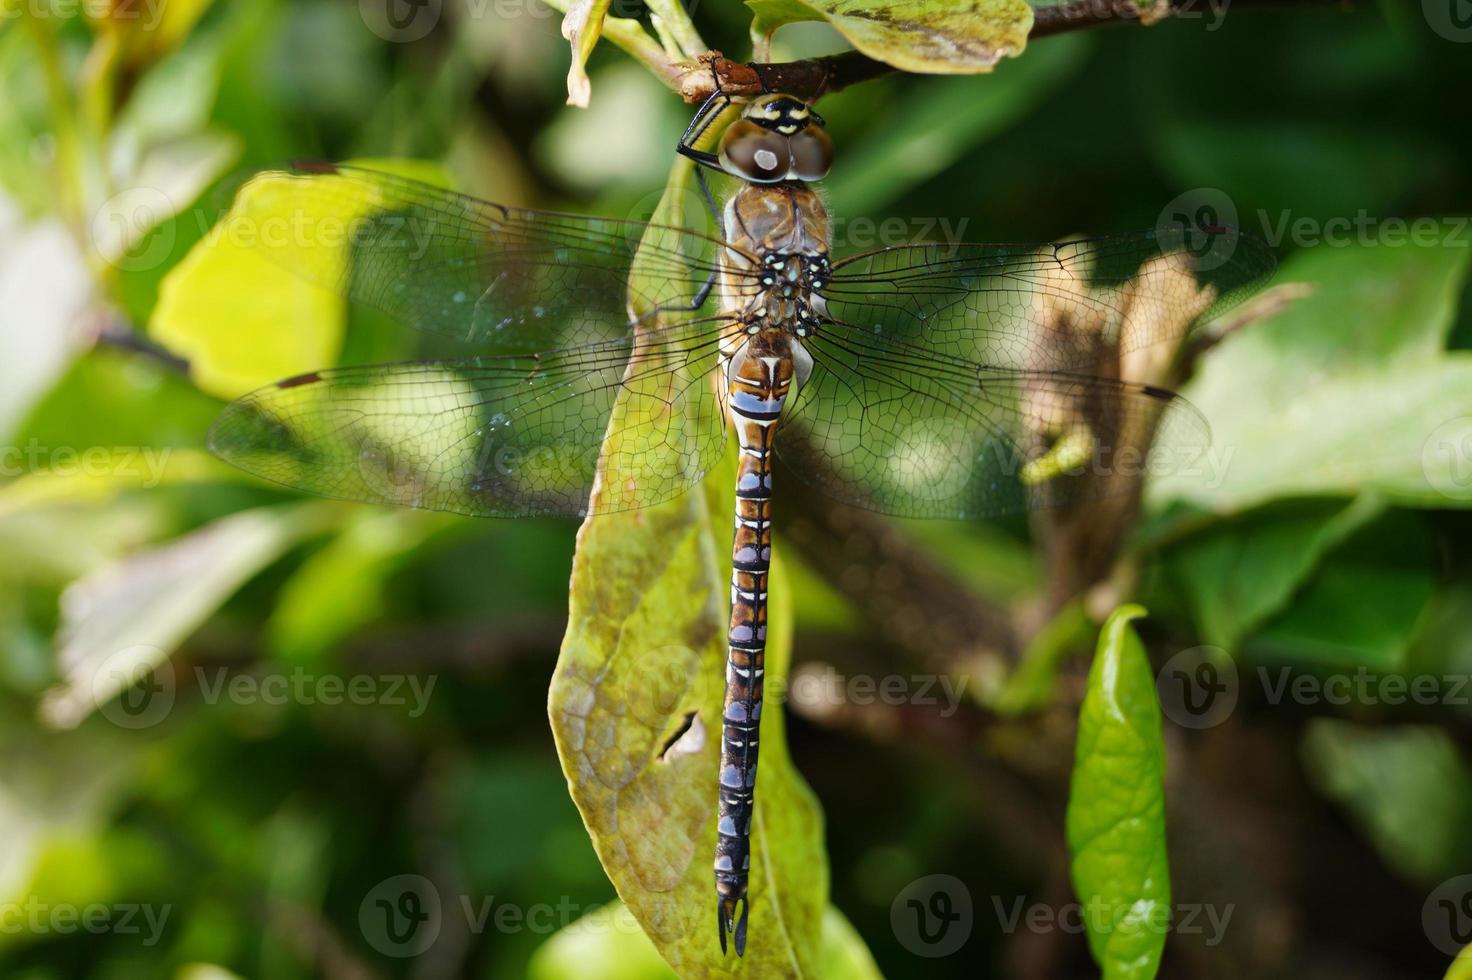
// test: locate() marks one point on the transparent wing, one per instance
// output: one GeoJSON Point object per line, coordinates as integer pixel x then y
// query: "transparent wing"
{"type": "Point", "coordinates": [490, 278]}
{"type": "Point", "coordinates": [900, 430]}
{"type": "Point", "coordinates": [492, 436]}
{"type": "Point", "coordinates": [1048, 306]}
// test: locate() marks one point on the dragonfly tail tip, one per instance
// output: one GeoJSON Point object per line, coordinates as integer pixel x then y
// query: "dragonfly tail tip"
{"type": "Point", "coordinates": [728, 922]}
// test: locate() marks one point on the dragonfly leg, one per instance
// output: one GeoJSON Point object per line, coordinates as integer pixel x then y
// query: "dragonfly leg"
{"type": "Point", "coordinates": [704, 116]}
{"type": "Point", "coordinates": [698, 300]}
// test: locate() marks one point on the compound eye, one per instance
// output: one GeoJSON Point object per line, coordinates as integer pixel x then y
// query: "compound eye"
{"type": "Point", "coordinates": [756, 154]}
{"type": "Point", "coordinates": [812, 153]}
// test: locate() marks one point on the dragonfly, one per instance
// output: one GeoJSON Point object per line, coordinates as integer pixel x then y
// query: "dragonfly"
{"type": "Point", "coordinates": [587, 365]}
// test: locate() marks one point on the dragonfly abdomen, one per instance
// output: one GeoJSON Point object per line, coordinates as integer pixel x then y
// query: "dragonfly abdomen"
{"type": "Point", "coordinates": [759, 376]}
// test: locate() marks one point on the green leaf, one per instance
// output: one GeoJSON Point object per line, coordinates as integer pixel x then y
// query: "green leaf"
{"type": "Point", "coordinates": [1363, 606]}
{"type": "Point", "coordinates": [929, 129]}
{"type": "Point", "coordinates": [353, 568]}
{"type": "Point", "coordinates": [607, 944]}
{"type": "Point", "coordinates": [120, 623]}
{"type": "Point", "coordinates": [1407, 787]}
{"type": "Point", "coordinates": [1461, 968]}
{"type": "Point", "coordinates": [1346, 390]}
{"type": "Point", "coordinates": [961, 37]}
{"type": "Point", "coordinates": [636, 706]}
{"type": "Point", "coordinates": [243, 320]}
{"type": "Point", "coordinates": [1116, 808]}
{"type": "Point", "coordinates": [1242, 571]}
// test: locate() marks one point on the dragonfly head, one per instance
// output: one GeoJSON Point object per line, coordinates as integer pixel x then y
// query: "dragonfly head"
{"type": "Point", "coordinates": [777, 138]}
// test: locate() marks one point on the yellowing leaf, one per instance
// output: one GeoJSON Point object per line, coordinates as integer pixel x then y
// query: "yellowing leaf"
{"type": "Point", "coordinates": [959, 37]}
{"type": "Point", "coordinates": [241, 320]}
{"type": "Point", "coordinates": [256, 301]}
{"type": "Point", "coordinates": [581, 26]}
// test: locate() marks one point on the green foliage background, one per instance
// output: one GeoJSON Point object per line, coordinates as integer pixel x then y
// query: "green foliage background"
{"type": "Point", "coordinates": [1332, 545]}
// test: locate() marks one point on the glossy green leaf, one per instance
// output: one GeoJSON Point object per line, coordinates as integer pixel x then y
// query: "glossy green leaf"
{"type": "Point", "coordinates": [636, 706]}
{"type": "Point", "coordinates": [1346, 390]}
{"type": "Point", "coordinates": [954, 38]}
{"type": "Point", "coordinates": [1116, 808]}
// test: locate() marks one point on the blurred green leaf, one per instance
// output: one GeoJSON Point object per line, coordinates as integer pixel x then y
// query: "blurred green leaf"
{"type": "Point", "coordinates": [845, 957]}
{"type": "Point", "coordinates": [353, 569]}
{"type": "Point", "coordinates": [45, 286]}
{"type": "Point", "coordinates": [1116, 808]}
{"type": "Point", "coordinates": [121, 622]}
{"type": "Point", "coordinates": [1407, 787]}
{"type": "Point", "coordinates": [1344, 391]}
{"type": "Point", "coordinates": [608, 945]}
{"type": "Point", "coordinates": [929, 36]}
{"type": "Point", "coordinates": [241, 318]}
{"type": "Point", "coordinates": [1241, 571]}
{"type": "Point", "coordinates": [930, 129]}
{"type": "Point", "coordinates": [1357, 169]}
{"type": "Point", "coordinates": [108, 473]}
{"type": "Point", "coordinates": [1461, 968]}
{"type": "Point", "coordinates": [55, 794]}
{"type": "Point", "coordinates": [1031, 685]}
{"type": "Point", "coordinates": [1362, 606]}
